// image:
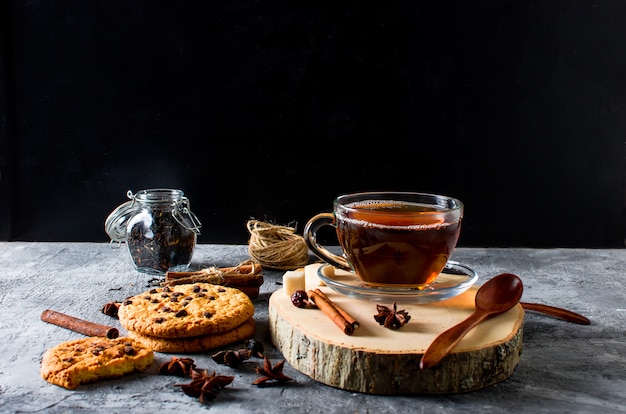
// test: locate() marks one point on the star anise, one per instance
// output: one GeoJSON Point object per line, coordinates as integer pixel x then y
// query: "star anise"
{"type": "Point", "coordinates": [391, 318]}
{"type": "Point", "coordinates": [182, 367]}
{"type": "Point", "coordinates": [205, 386]}
{"type": "Point", "coordinates": [271, 373]}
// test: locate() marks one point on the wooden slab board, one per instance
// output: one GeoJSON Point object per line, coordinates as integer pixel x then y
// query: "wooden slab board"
{"type": "Point", "coordinates": [378, 360]}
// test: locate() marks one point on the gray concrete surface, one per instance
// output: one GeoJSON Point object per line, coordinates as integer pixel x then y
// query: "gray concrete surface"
{"type": "Point", "coordinates": [565, 368]}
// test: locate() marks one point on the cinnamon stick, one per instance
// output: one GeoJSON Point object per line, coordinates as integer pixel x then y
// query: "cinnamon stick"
{"type": "Point", "coordinates": [247, 284]}
{"type": "Point", "coordinates": [246, 277]}
{"type": "Point", "coordinates": [249, 269]}
{"type": "Point", "coordinates": [252, 292]}
{"type": "Point", "coordinates": [343, 313]}
{"type": "Point", "coordinates": [78, 325]}
{"type": "Point", "coordinates": [241, 270]}
{"type": "Point", "coordinates": [331, 310]}
{"type": "Point", "coordinates": [246, 273]}
{"type": "Point", "coordinates": [181, 278]}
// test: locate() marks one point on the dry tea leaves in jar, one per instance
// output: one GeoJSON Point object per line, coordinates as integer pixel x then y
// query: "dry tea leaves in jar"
{"type": "Point", "coordinates": [162, 235]}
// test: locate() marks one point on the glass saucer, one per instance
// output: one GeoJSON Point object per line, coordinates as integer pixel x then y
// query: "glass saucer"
{"type": "Point", "coordinates": [455, 279]}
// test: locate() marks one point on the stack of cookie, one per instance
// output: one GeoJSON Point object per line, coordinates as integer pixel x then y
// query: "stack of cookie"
{"type": "Point", "coordinates": [188, 318]}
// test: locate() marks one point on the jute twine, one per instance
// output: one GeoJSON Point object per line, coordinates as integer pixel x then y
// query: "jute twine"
{"type": "Point", "coordinates": [276, 247]}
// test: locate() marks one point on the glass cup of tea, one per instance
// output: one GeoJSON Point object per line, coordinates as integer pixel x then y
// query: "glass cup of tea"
{"type": "Point", "coordinates": [398, 239]}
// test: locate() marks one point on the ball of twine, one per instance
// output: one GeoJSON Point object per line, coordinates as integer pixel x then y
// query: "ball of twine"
{"type": "Point", "coordinates": [276, 247]}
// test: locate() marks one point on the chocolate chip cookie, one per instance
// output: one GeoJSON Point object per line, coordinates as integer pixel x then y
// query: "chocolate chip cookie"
{"type": "Point", "coordinates": [183, 311]}
{"type": "Point", "coordinates": [197, 343]}
{"type": "Point", "coordinates": [90, 359]}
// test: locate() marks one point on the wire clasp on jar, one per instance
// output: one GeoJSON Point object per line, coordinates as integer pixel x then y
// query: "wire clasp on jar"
{"type": "Point", "coordinates": [183, 215]}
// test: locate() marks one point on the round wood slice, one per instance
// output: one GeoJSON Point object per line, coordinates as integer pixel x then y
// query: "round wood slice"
{"type": "Point", "coordinates": [379, 360]}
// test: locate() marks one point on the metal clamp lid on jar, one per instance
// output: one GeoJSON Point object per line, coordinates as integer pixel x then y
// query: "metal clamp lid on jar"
{"type": "Point", "coordinates": [181, 210]}
{"type": "Point", "coordinates": [116, 222]}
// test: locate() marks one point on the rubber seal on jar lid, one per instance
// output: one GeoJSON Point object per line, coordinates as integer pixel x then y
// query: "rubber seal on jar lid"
{"type": "Point", "coordinates": [116, 222]}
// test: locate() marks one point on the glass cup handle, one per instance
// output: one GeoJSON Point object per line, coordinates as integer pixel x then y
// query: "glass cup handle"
{"type": "Point", "coordinates": [310, 237]}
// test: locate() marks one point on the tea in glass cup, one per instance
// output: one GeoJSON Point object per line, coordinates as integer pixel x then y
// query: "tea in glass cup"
{"type": "Point", "coordinates": [399, 239]}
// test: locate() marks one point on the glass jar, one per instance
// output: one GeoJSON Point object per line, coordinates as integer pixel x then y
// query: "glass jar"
{"type": "Point", "coordinates": [162, 232]}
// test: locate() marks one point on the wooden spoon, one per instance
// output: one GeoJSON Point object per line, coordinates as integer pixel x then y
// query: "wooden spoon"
{"type": "Point", "coordinates": [559, 313]}
{"type": "Point", "coordinates": [496, 296]}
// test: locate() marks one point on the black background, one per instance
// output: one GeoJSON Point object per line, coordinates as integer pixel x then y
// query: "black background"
{"type": "Point", "coordinates": [270, 109]}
